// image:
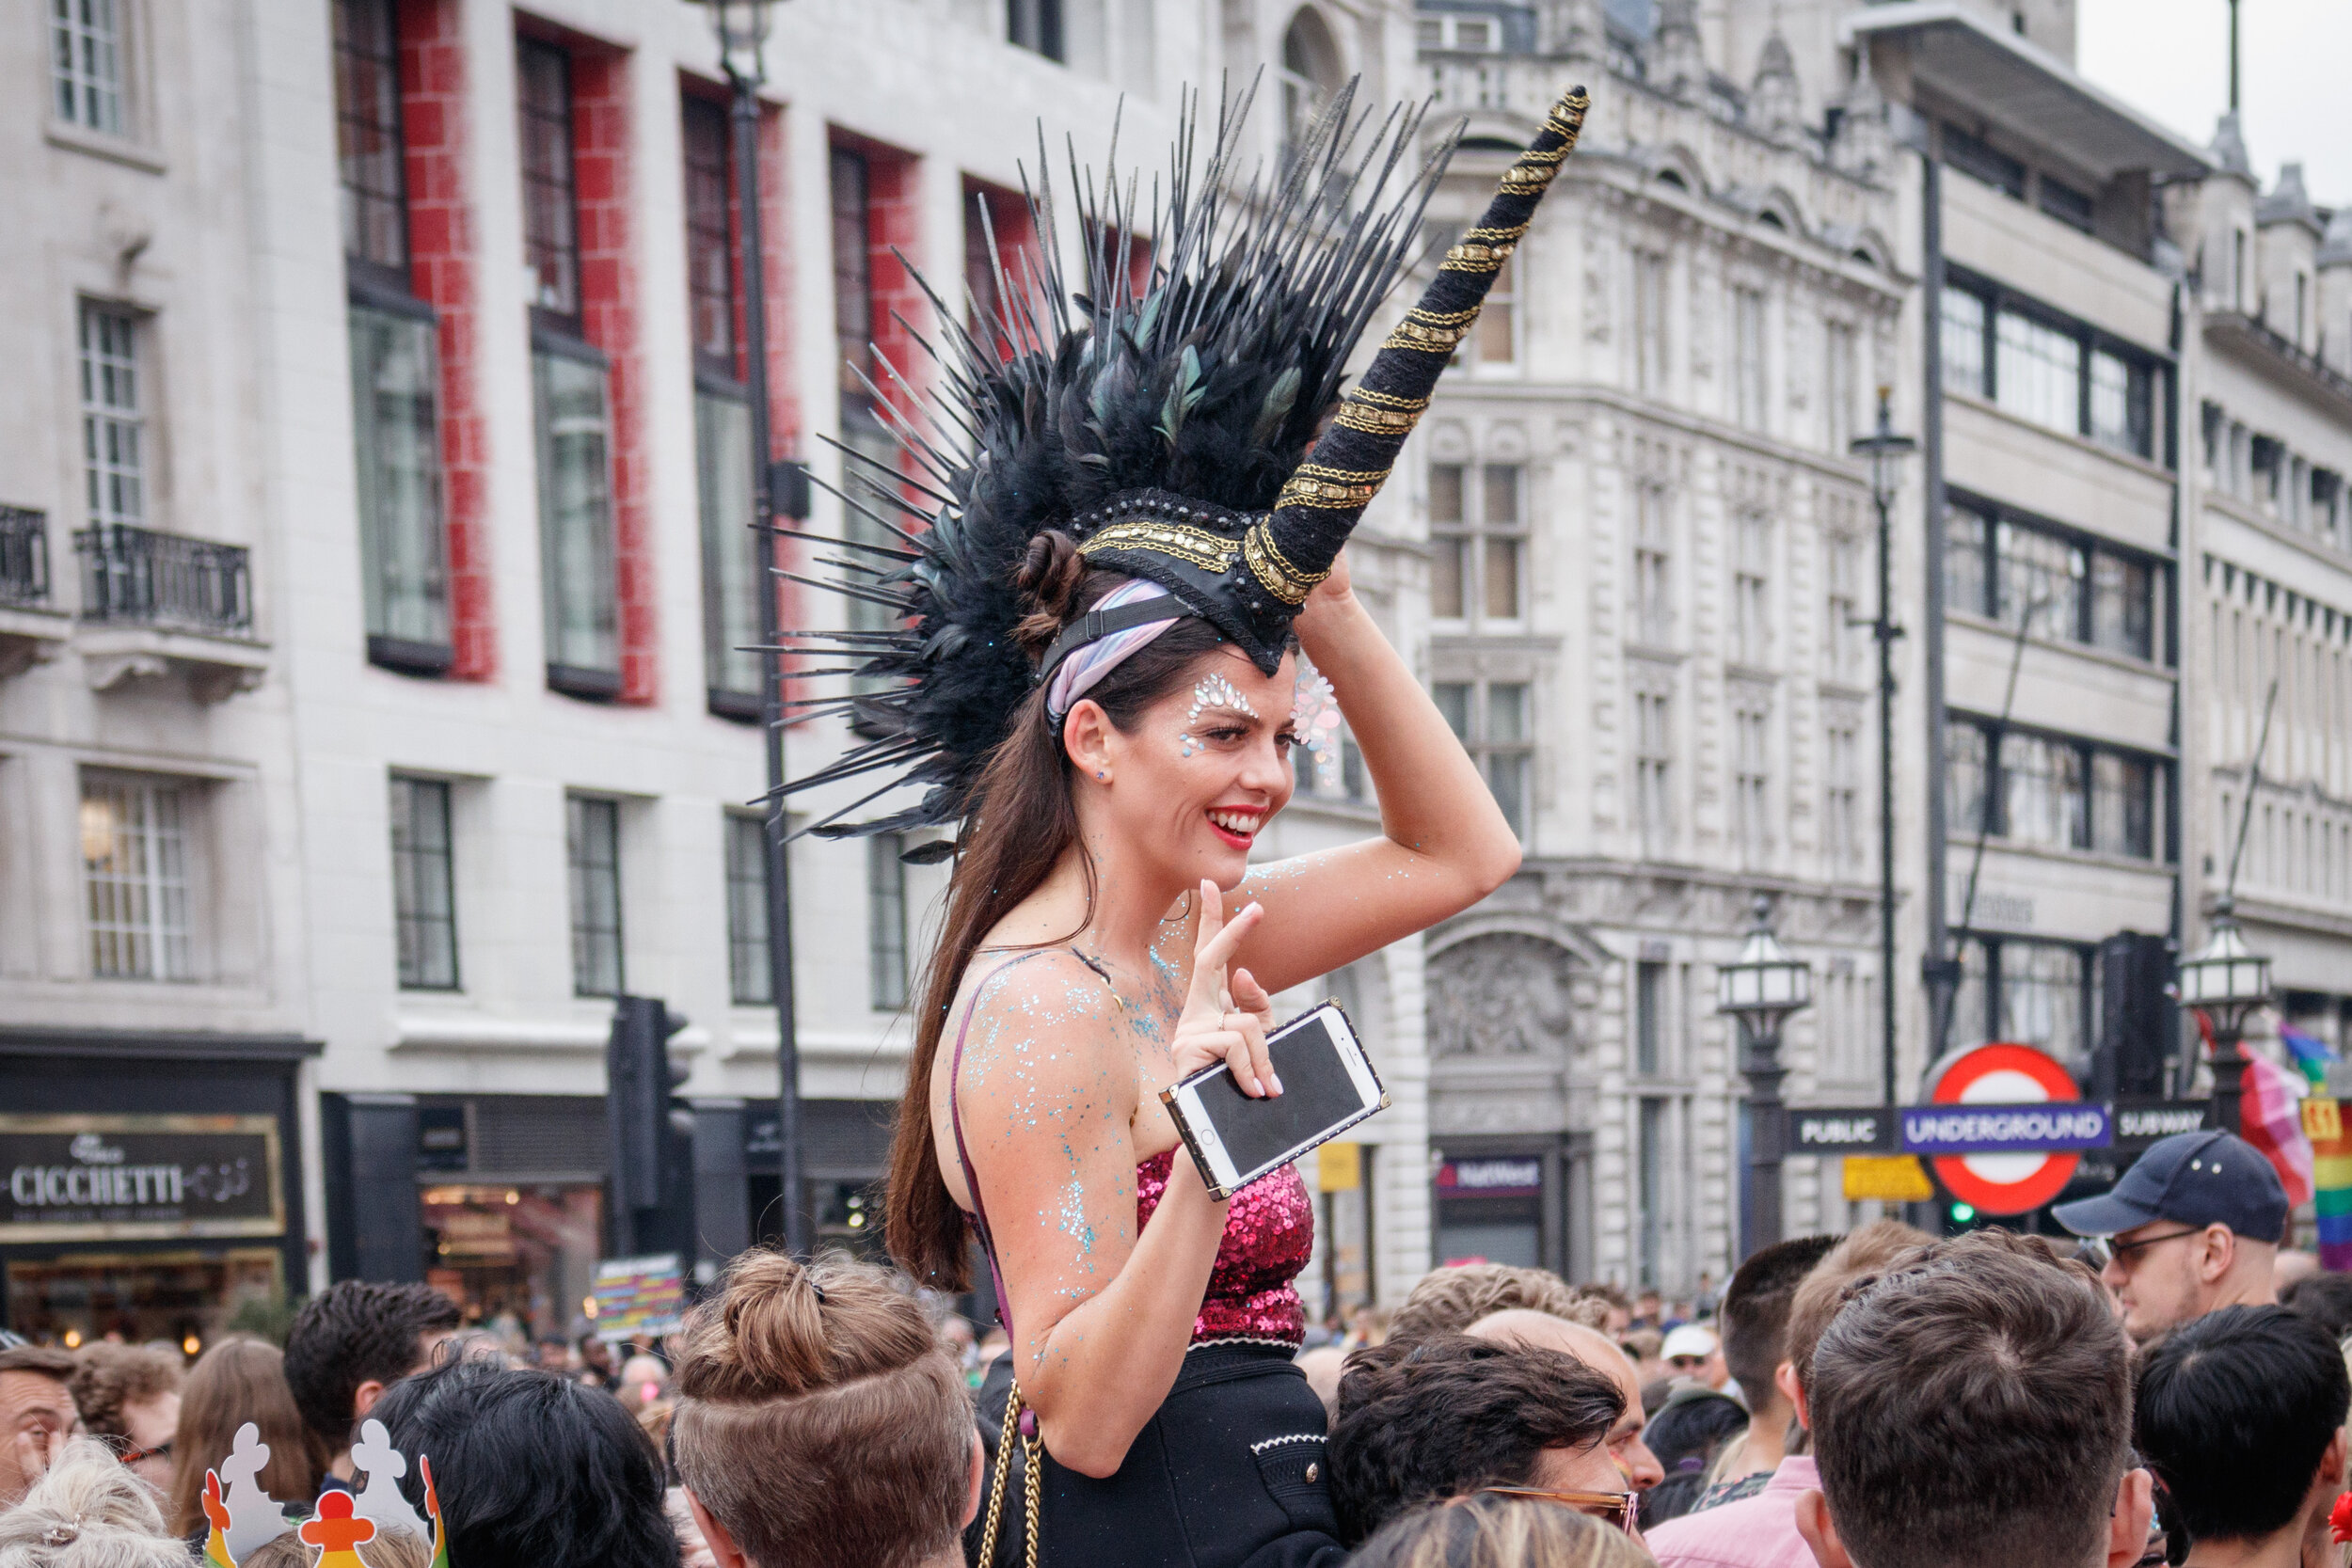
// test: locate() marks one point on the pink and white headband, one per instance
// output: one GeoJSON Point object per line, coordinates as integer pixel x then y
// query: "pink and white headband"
{"type": "Point", "coordinates": [1091, 646]}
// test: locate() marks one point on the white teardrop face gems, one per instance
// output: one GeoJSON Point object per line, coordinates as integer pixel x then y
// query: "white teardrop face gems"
{"type": "Point", "coordinates": [1211, 692]}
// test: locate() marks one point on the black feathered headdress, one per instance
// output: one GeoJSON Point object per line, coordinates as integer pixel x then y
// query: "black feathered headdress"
{"type": "Point", "coordinates": [1165, 428]}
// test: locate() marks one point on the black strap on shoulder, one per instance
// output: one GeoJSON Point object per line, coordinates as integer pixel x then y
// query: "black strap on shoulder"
{"type": "Point", "coordinates": [1095, 625]}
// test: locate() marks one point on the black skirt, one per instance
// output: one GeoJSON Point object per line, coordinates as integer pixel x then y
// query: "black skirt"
{"type": "Point", "coordinates": [1229, 1473]}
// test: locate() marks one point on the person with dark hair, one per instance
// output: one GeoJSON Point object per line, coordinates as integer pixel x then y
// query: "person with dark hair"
{"type": "Point", "coordinates": [1096, 671]}
{"type": "Point", "coordinates": [36, 1415]}
{"type": "Point", "coordinates": [1760, 1531]}
{"type": "Point", "coordinates": [2240, 1415]}
{"type": "Point", "coordinates": [2194, 1225]}
{"type": "Point", "coordinates": [531, 1468]}
{"type": "Point", "coordinates": [1687, 1434]}
{"type": "Point", "coordinates": [1974, 1411]}
{"type": "Point", "coordinates": [1755, 1324]}
{"type": "Point", "coordinates": [351, 1342]}
{"type": "Point", "coordinates": [832, 1375]}
{"type": "Point", "coordinates": [1521, 1326]}
{"type": "Point", "coordinates": [2324, 1298]}
{"type": "Point", "coordinates": [1440, 1416]}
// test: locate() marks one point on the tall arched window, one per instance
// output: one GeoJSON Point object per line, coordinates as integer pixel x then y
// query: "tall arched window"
{"type": "Point", "coordinates": [1311, 74]}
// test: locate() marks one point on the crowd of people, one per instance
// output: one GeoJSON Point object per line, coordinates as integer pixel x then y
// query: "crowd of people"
{"type": "Point", "coordinates": [1881, 1399]}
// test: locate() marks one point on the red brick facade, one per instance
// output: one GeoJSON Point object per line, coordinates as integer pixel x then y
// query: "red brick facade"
{"type": "Point", "coordinates": [442, 245]}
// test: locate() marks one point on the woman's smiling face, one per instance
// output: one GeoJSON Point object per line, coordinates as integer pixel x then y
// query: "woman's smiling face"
{"type": "Point", "coordinates": [1202, 770]}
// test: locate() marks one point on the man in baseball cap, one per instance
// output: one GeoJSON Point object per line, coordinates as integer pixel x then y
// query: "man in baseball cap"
{"type": "Point", "coordinates": [2194, 1227]}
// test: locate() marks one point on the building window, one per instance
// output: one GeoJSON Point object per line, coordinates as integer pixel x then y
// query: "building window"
{"type": "Point", "coordinates": [367, 136]}
{"type": "Point", "coordinates": [1842, 813]}
{"type": "Point", "coordinates": [592, 844]}
{"type": "Point", "coordinates": [1476, 568]}
{"type": "Point", "coordinates": [749, 978]}
{"type": "Point", "coordinates": [2007, 568]}
{"type": "Point", "coordinates": [2041, 797]}
{"type": "Point", "coordinates": [1650, 1019]}
{"type": "Point", "coordinates": [2036, 993]}
{"type": "Point", "coordinates": [1499, 319]}
{"type": "Point", "coordinates": [709, 237]}
{"type": "Point", "coordinates": [731, 575]}
{"type": "Point", "coordinates": [1971, 155]}
{"type": "Point", "coordinates": [136, 873]}
{"type": "Point", "coordinates": [885, 922]}
{"type": "Point", "coordinates": [1969, 777]}
{"type": "Point", "coordinates": [1751, 606]}
{"type": "Point", "coordinates": [1747, 357]}
{"type": "Point", "coordinates": [86, 46]}
{"type": "Point", "coordinates": [852, 275]}
{"type": "Point", "coordinates": [576, 537]}
{"type": "Point", "coordinates": [1651, 365]}
{"type": "Point", "coordinates": [1309, 72]}
{"type": "Point", "coordinates": [1838, 392]}
{"type": "Point", "coordinates": [1653, 568]}
{"type": "Point", "coordinates": [1653, 771]}
{"type": "Point", "coordinates": [2047, 369]}
{"type": "Point", "coordinates": [1035, 25]}
{"type": "Point", "coordinates": [543, 77]}
{"type": "Point", "coordinates": [1751, 778]}
{"type": "Point", "coordinates": [1492, 722]}
{"type": "Point", "coordinates": [424, 898]}
{"type": "Point", "coordinates": [114, 459]}
{"type": "Point", "coordinates": [2125, 796]}
{"type": "Point", "coordinates": [1843, 636]}
{"type": "Point", "coordinates": [396, 438]}
{"type": "Point", "coordinates": [2065, 203]}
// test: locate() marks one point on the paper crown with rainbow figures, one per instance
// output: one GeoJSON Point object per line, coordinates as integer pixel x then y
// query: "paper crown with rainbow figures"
{"type": "Point", "coordinates": [245, 1518]}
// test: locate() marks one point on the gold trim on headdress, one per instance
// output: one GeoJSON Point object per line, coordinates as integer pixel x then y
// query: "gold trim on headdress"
{"type": "Point", "coordinates": [1197, 547]}
{"type": "Point", "coordinates": [1483, 250]}
{"type": "Point", "coordinates": [1430, 331]}
{"type": "Point", "coordinates": [1273, 569]}
{"type": "Point", "coordinates": [1381, 413]}
{"type": "Point", "coordinates": [1339, 489]}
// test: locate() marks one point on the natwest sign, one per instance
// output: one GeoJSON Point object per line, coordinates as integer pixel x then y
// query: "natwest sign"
{"type": "Point", "coordinates": [1491, 1178]}
{"type": "Point", "coordinates": [139, 1178]}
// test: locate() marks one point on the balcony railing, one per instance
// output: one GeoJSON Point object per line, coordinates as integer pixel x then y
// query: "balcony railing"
{"type": "Point", "coordinates": [137, 576]}
{"type": "Point", "coordinates": [24, 556]}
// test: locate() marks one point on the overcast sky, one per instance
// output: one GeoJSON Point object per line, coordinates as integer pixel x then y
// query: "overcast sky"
{"type": "Point", "coordinates": [2170, 60]}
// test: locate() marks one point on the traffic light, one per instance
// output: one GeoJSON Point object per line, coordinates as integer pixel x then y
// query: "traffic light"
{"type": "Point", "coordinates": [652, 1129]}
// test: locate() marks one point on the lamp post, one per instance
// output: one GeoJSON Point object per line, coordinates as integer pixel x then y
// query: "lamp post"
{"type": "Point", "coordinates": [743, 29]}
{"type": "Point", "coordinates": [1761, 988]}
{"type": "Point", "coordinates": [1885, 451]}
{"type": "Point", "coordinates": [2226, 983]}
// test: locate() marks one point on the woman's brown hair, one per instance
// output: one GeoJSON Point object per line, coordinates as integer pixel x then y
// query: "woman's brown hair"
{"type": "Point", "coordinates": [236, 1381]}
{"type": "Point", "coordinates": [819, 1421]}
{"type": "Point", "coordinates": [1024, 820]}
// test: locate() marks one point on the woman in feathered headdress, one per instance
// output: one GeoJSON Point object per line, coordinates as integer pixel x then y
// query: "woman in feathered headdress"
{"type": "Point", "coordinates": [1095, 671]}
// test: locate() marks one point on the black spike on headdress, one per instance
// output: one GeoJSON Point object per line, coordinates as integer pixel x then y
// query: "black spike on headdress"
{"type": "Point", "coordinates": [1162, 427]}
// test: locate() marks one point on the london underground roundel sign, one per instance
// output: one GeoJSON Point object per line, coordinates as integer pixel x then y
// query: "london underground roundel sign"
{"type": "Point", "coordinates": [2005, 1074]}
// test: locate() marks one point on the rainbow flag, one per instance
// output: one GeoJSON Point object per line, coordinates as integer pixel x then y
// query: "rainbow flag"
{"type": "Point", "coordinates": [2272, 1118]}
{"type": "Point", "coordinates": [2332, 1150]}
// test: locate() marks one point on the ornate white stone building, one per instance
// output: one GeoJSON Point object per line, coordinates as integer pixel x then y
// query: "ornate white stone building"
{"type": "Point", "coordinates": [1648, 546]}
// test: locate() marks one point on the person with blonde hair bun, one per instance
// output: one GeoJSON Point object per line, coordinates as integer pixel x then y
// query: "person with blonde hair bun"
{"type": "Point", "coordinates": [819, 1424]}
{"type": "Point", "coordinates": [1499, 1530]}
{"type": "Point", "coordinates": [89, 1510]}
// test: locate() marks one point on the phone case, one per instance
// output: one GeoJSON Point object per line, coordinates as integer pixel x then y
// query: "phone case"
{"type": "Point", "coordinates": [1169, 1096]}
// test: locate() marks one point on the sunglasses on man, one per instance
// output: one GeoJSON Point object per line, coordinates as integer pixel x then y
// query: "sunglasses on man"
{"type": "Point", "coordinates": [2102, 1250]}
{"type": "Point", "coordinates": [1621, 1508]}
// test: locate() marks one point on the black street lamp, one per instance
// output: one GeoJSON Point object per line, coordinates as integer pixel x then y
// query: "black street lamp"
{"type": "Point", "coordinates": [1761, 988]}
{"type": "Point", "coordinates": [2227, 983]}
{"type": "Point", "coordinates": [1886, 450]}
{"type": "Point", "coordinates": [743, 29]}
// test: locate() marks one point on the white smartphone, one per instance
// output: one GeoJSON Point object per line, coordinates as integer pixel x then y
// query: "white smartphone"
{"type": "Point", "coordinates": [1327, 1086]}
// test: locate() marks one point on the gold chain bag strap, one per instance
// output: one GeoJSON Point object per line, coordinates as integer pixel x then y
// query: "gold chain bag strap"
{"type": "Point", "coordinates": [1020, 1422]}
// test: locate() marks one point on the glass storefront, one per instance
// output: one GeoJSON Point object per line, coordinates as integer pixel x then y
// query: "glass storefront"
{"type": "Point", "coordinates": [517, 1258]}
{"type": "Point", "coordinates": [186, 1298]}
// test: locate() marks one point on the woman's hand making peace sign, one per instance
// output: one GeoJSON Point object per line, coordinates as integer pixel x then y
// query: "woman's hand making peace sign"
{"type": "Point", "coordinates": [1224, 1020]}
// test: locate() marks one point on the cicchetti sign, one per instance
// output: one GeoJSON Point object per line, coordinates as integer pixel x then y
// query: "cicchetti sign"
{"type": "Point", "coordinates": [139, 1178]}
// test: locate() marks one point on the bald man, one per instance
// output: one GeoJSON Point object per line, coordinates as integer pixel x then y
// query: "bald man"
{"type": "Point", "coordinates": [1542, 1331]}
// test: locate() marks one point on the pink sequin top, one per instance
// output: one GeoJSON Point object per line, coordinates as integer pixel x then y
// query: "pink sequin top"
{"type": "Point", "coordinates": [1269, 1232]}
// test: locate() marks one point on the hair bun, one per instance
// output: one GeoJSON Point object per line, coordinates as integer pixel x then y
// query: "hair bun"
{"type": "Point", "coordinates": [1049, 577]}
{"type": "Point", "coordinates": [778, 1327]}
